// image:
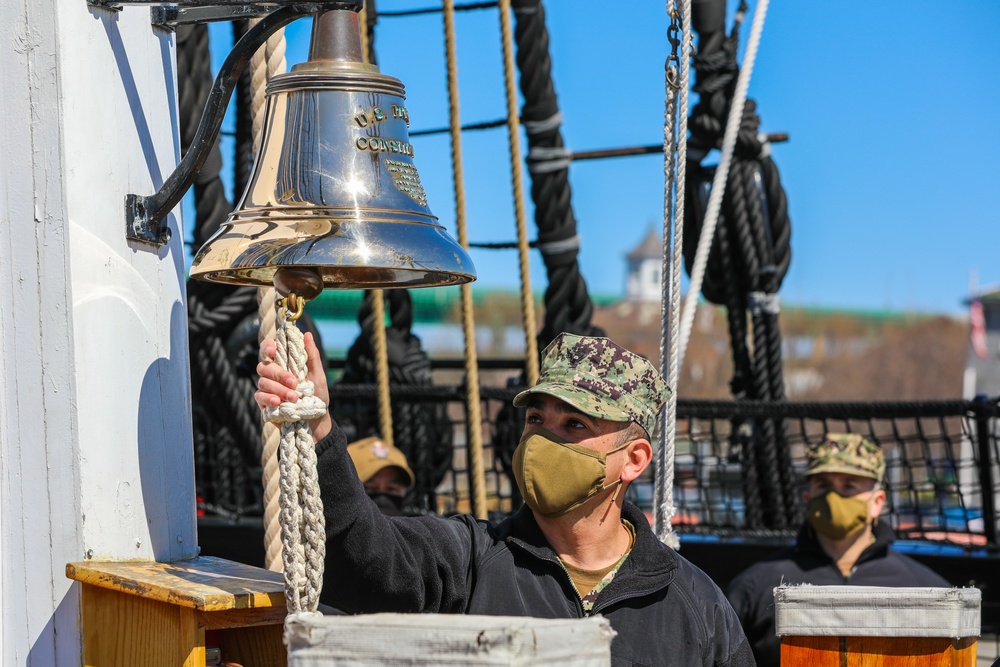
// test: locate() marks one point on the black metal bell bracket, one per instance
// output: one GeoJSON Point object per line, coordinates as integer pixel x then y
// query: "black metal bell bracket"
{"type": "Point", "coordinates": [144, 214]}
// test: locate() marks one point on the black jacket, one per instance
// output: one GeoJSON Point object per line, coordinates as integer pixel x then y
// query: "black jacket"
{"type": "Point", "coordinates": [752, 591]}
{"type": "Point", "coordinates": [665, 610]}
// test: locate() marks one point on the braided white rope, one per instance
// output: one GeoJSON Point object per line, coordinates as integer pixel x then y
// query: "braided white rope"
{"type": "Point", "coordinates": [265, 62]}
{"type": "Point", "coordinates": [721, 175]}
{"type": "Point", "coordinates": [675, 162]}
{"type": "Point", "coordinates": [303, 529]}
{"type": "Point", "coordinates": [271, 438]}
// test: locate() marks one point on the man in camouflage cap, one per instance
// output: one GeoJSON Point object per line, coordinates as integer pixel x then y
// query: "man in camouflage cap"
{"type": "Point", "coordinates": [848, 453]}
{"type": "Point", "coordinates": [576, 548]}
{"type": "Point", "coordinates": [601, 379]}
{"type": "Point", "coordinates": [842, 541]}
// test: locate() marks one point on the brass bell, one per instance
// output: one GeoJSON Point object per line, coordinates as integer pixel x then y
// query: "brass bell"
{"type": "Point", "coordinates": [334, 189]}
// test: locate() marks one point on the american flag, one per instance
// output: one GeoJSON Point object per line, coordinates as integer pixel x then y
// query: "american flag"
{"type": "Point", "coordinates": [977, 328]}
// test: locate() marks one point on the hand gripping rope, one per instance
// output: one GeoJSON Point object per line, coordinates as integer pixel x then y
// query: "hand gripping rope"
{"type": "Point", "coordinates": [303, 529]}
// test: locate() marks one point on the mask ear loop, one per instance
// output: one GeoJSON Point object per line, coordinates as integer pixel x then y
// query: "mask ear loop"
{"type": "Point", "coordinates": [620, 485]}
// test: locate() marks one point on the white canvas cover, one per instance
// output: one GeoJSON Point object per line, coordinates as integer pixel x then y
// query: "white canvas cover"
{"type": "Point", "coordinates": [875, 611]}
{"type": "Point", "coordinates": [384, 640]}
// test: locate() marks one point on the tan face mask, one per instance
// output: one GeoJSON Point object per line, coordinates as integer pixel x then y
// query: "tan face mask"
{"type": "Point", "coordinates": [837, 517]}
{"type": "Point", "coordinates": [556, 476]}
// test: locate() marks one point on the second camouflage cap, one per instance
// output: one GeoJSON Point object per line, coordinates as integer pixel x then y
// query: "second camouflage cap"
{"type": "Point", "coordinates": [600, 378]}
{"type": "Point", "coordinates": [847, 453]}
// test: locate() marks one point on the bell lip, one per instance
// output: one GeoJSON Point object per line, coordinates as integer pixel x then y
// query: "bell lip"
{"type": "Point", "coordinates": [419, 278]}
{"type": "Point", "coordinates": [243, 252]}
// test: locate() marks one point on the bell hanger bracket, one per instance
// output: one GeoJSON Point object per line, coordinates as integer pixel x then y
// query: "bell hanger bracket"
{"type": "Point", "coordinates": [169, 15]}
{"type": "Point", "coordinates": [144, 214]}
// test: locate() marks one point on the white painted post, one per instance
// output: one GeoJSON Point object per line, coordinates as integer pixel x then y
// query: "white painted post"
{"type": "Point", "coordinates": [95, 429]}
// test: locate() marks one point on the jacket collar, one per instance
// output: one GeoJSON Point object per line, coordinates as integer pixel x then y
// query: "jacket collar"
{"type": "Point", "coordinates": [807, 542]}
{"type": "Point", "coordinates": [650, 565]}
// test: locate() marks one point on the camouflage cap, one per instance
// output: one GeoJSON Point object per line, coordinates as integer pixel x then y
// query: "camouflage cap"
{"type": "Point", "coordinates": [848, 453]}
{"type": "Point", "coordinates": [600, 378]}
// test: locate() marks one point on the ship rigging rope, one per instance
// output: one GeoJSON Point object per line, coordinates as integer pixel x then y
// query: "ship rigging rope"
{"type": "Point", "coordinates": [472, 400]}
{"type": "Point", "coordinates": [721, 174]}
{"type": "Point", "coordinates": [382, 367]}
{"type": "Point", "coordinates": [749, 257]}
{"type": "Point", "coordinates": [677, 75]}
{"type": "Point", "coordinates": [303, 528]}
{"type": "Point", "coordinates": [514, 141]}
{"type": "Point", "coordinates": [265, 63]}
{"type": "Point", "coordinates": [568, 306]}
{"type": "Point", "coordinates": [379, 338]}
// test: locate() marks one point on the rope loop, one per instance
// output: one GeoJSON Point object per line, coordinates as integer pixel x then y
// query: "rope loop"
{"type": "Point", "coordinates": [307, 407]}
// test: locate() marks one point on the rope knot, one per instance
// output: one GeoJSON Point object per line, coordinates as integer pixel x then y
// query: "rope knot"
{"type": "Point", "coordinates": [307, 407]}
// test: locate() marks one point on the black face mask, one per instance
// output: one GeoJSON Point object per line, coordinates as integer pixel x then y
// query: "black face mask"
{"type": "Point", "coordinates": [389, 504]}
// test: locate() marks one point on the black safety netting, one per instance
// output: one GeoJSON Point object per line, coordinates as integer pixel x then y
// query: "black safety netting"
{"type": "Point", "coordinates": [940, 457]}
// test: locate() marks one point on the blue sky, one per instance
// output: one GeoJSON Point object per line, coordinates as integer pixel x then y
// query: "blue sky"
{"type": "Point", "coordinates": [892, 171]}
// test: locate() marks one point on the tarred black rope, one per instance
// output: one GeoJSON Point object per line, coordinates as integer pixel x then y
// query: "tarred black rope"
{"type": "Point", "coordinates": [233, 306]}
{"type": "Point", "coordinates": [231, 393]}
{"type": "Point", "coordinates": [741, 438]}
{"type": "Point", "coordinates": [222, 394]}
{"type": "Point", "coordinates": [744, 437]}
{"type": "Point", "coordinates": [746, 211]}
{"type": "Point", "coordinates": [748, 260]}
{"type": "Point", "coordinates": [744, 208]}
{"type": "Point", "coordinates": [735, 302]}
{"type": "Point", "coordinates": [567, 303]}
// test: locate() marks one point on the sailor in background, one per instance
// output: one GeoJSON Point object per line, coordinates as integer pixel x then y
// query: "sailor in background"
{"type": "Point", "coordinates": [842, 541]}
{"type": "Point", "coordinates": [384, 472]}
{"type": "Point", "coordinates": [575, 549]}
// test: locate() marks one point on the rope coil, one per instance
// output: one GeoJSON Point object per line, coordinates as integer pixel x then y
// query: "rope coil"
{"type": "Point", "coordinates": [729, 139]}
{"type": "Point", "coordinates": [742, 211]}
